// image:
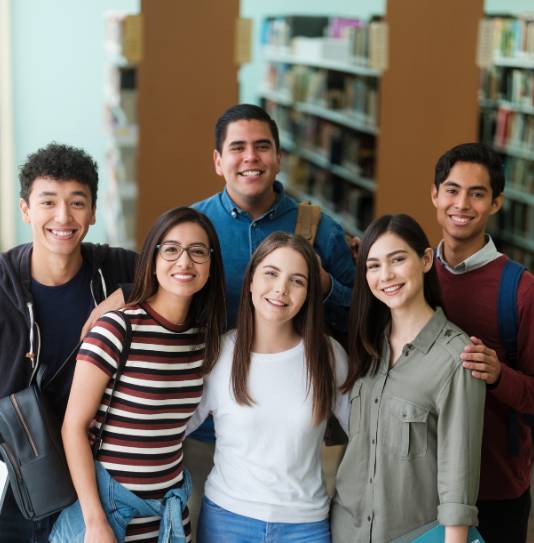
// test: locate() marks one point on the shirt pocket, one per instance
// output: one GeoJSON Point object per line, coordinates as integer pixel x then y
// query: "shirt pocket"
{"type": "Point", "coordinates": [355, 399]}
{"type": "Point", "coordinates": [408, 432]}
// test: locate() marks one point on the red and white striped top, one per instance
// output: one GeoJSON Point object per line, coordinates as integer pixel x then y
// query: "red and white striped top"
{"type": "Point", "coordinates": [158, 391]}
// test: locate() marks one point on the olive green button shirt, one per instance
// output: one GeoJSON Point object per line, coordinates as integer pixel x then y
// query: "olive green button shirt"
{"type": "Point", "coordinates": [415, 434]}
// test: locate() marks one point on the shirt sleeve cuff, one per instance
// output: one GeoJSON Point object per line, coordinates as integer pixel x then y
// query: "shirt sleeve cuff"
{"type": "Point", "coordinates": [457, 514]}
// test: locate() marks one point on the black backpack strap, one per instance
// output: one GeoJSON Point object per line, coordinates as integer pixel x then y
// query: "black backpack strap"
{"type": "Point", "coordinates": [508, 325]}
{"type": "Point", "coordinates": [120, 366]}
{"type": "Point", "coordinates": [39, 376]}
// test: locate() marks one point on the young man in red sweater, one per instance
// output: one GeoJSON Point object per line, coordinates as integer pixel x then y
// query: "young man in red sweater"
{"type": "Point", "coordinates": [468, 189]}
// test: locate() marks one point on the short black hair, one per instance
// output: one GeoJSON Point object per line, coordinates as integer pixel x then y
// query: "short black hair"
{"type": "Point", "coordinates": [243, 112]}
{"type": "Point", "coordinates": [59, 163]}
{"type": "Point", "coordinates": [476, 153]}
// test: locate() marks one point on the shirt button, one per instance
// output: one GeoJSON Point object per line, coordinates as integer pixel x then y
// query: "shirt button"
{"type": "Point", "coordinates": [371, 481]}
{"type": "Point", "coordinates": [376, 400]}
{"type": "Point", "coordinates": [373, 441]}
{"type": "Point", "coordinates": [369, 518]}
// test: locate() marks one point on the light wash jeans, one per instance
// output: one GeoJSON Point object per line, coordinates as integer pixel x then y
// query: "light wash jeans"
{"type": "Point", "coordinates": [216, 525]}
{"type": "Point", "coordinates": [121, 506]}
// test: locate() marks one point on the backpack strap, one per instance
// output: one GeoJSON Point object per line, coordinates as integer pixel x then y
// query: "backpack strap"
{"type": "Point", "coordinates": [308, 218]}
{"type": "Point", "coordinates": [99, 437]}
{"type": "Point", "coordinates": [507, 309]}
{"type": "Point", "coordinates": [508, 325]}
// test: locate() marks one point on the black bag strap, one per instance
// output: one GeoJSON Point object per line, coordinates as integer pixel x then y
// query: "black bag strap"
{"type": "Point", "coordinates": [120, 366]}
{"type": "Point", "coordinates": [39, 376]}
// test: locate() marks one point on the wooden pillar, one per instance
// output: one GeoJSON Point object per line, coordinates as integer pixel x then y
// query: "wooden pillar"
{"type": "Point", "coordinates": [429, 100]}
{"type": "Point", "coordinates": [187, 78]}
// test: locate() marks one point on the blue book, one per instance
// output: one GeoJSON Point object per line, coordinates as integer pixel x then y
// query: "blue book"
{"type": "Point", "coordinates": [437, 535]}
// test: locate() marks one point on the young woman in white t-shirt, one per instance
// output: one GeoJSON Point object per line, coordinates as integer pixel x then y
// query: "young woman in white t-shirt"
{"type": "Point", "coordinates": [270, 393]}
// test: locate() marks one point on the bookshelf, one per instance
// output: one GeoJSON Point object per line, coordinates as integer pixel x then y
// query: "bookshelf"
{"type": "Point", "coordinates": [507, 123]}
{"type": "Point", "coordinates": [123, 45]}
{"type": "Point", "coordinates": [320, 87]}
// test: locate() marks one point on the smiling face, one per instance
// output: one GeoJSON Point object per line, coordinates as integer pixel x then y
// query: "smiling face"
{"type": "Point", "coordinates": [249, 162]}
{"type": "Point", "coordinates": [183, 277]}
{"type": "Point", "coordinates": [60, 213]}
{"type": "Point", "coordinates": [279, 287]}
{"type": "Point", "coordinates": [394, 272]}
{"type": "Point", "coordinates": [464, 203]}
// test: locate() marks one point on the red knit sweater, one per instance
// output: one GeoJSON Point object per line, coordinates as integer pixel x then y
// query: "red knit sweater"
{"type": "Point", "coordinates": [470, 301]}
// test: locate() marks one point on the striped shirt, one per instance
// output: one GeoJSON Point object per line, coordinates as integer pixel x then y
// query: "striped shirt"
{"type": "Point", "coordinates": [158, 391]}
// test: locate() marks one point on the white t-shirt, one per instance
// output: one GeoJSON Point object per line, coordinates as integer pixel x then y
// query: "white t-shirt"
{"type": "Point", "coordinates": [268, 455]}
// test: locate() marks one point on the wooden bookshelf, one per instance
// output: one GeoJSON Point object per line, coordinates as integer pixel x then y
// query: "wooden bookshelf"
{"type": "Point", "coordinates": [187, 78]}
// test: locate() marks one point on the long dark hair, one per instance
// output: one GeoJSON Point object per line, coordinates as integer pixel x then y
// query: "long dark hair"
{"type": "Point", "coordinates": [369, 317]}
{"type": "Point", "coordinates": [208, 307]}
{"type": "Point", "coordinates": [308, 323]}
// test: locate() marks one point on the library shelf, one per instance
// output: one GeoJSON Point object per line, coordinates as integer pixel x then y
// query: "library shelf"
{"type": "Point", "coordinates": [506, 104]}
{"type": "Point", "coordinates": [519, 195]}
{"type": "Point", "coordinates": [343, 117]}
{"type": "Point", "coordinates": [514, 151]}
{"type": "Point", "coordinates": [515, 239]}
{"type": "Point", "coordinates": [322, 161]}
{"type": "Point", "coordinates": [279, 56]}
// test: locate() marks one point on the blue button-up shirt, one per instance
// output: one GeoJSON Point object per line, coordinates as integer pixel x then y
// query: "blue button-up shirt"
{"type": "Point", "coordinates": [240, 234]}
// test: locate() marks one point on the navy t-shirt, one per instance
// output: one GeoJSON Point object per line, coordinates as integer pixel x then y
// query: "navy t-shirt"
{"type": "Point", "coordinates": [61, 312]}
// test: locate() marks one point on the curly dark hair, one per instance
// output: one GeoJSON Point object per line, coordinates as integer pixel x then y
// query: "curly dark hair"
{"type": "Point", "coordinates": [61, 163]}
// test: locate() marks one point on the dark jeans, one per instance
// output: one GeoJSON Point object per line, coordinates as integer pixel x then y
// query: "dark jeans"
{"type": "Point", "coordinates": [14, 528]}
{"type": "Point", "coordinates": [504, 520]}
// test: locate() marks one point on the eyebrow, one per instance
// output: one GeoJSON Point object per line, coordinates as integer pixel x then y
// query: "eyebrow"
{"type": "Point", "coordinates": [389, 255]}
{"type": "Point", "coordinates": [278, 269]}
{"type": "Point", "coordinates": [168, 241]}
{"type": "Point", "coordinates": [473, 187]}
{"type": "Point", "coordinates": [46, 193]}
{"type": "Point", "coordinates": [256, 142]}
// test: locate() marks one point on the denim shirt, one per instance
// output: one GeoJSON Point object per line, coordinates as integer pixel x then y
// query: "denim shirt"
{"type": "Point", "coordinates": [121, 506]}
{"type": "Point", "coordinates": [240, 234]}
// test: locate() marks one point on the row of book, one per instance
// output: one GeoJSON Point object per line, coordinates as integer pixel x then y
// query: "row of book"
{"type": "Point", "coordinates": [353, 95]}
{"type": "Point", "coordinates": [510, 84]}
{"type": "Point", "coordinates": [513, 36]}
{"type": "Point", "coordinates": [508, 129]}
{"type": "Point", "coordinates": [352, 206]}
{"type": "Point", "coordinates": [517, 253]}
{"type": "Point", "coordinates": [520, 174]}
{"type": "Point", "coordinates": [334, 38]}
{"type": "Point", "coordinates": [335, 144]}
{"type": "Point", "coordinates": [517, 218]}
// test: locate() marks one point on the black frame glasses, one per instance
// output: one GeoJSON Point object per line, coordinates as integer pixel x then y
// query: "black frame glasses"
{"type": "Point", "coordinates": [197, 252]}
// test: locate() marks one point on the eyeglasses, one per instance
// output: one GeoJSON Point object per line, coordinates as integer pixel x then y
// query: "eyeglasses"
{"type": "Point", "coordinates": [172, 250]}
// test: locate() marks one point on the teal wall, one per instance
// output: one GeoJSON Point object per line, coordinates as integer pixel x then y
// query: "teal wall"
{"type": "Point", "coordinates": [251, 74]}
{"type": "Point", "coordinates": [58, 80]}
{"type": "Point", "coordinates": [512, 7]}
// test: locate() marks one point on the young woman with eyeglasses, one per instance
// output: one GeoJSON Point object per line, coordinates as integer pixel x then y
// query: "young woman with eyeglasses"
{"type": "Point", "coordinates": [138, 487]}
{"type": "Point", "coordinates": [416, 415]}
{"type": "Point", "coordinates": [270, 393]}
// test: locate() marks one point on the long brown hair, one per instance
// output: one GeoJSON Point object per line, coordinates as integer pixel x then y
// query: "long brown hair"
{"type": "Point", "coordinates": [208, 307]}
{"type": "Point", "coordinates": [369, 317]}
{"type": "Point", "coordinates": [308, 323]}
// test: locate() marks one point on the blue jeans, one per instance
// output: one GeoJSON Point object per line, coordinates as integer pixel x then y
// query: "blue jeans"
{"type": "Point", "coordinates": [216, 524]}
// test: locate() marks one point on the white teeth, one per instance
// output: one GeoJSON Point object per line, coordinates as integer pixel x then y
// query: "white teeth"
{"type": "Point", "coordinates": [251, 173]}
{"type": "Point", "coordinates": [62, 233]}
{"type": "Point", "coordinates": [460, 220]}
{"type": "Point", "coordinates": [183, 275]}
{"type": "Point", "coordinates": [394, 288]}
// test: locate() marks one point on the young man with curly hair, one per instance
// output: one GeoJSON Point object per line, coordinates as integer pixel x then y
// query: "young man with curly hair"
{"type": "Point", "coordinates": [48, 287]}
